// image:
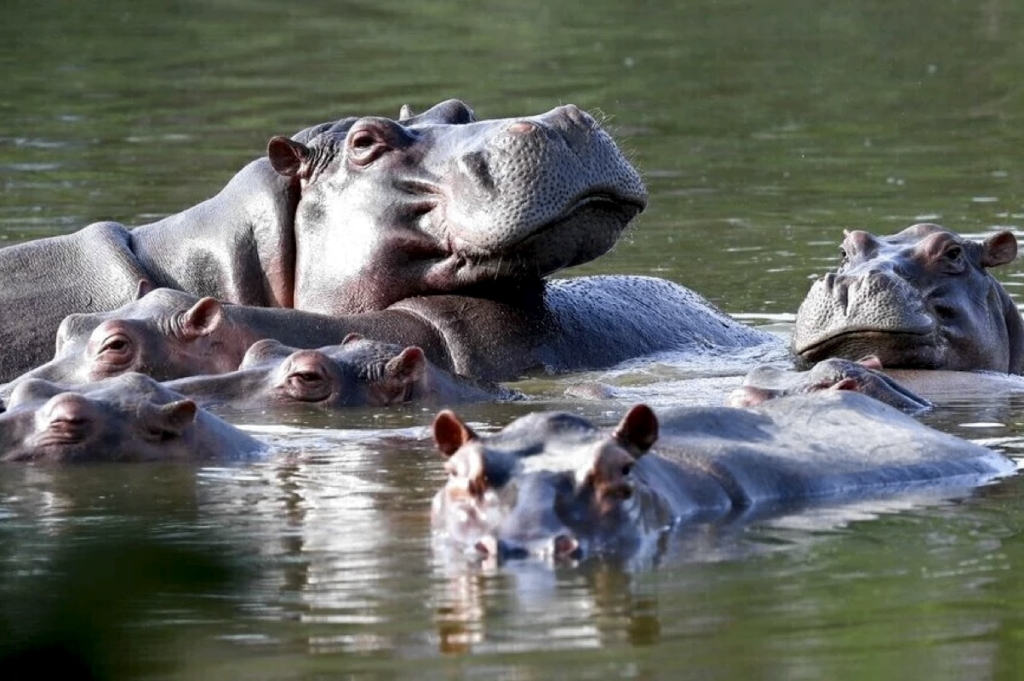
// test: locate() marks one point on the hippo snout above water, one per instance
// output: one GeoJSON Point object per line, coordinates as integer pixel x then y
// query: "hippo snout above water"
{"type": "Point", "coordinates": [553, 485]}
{"type": "Point", "coordinates": [922, 298]}
{"type": "Point", "coordinates": [130, 417]}
{"type": "Point", "coordinates": [467, 202]}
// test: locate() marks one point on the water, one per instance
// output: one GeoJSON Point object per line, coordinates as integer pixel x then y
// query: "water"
{"type": "Point", "coordinates": [763, 130]}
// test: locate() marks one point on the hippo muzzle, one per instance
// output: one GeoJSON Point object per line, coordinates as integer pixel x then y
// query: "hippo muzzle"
{"type": "Point", "coordinates": [922, 298]}
{"type": "Point", "coordinates": [573, 498]}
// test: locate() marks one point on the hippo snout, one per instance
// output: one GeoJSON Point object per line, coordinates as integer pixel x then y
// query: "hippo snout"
{"type": "Point", "coordinates": [561, 546]}
{"type": "Point", "coordinates": [67, 418]}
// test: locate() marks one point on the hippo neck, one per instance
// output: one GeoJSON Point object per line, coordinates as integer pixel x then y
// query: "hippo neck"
{"type": "Point", "coordinates": [238, 246]}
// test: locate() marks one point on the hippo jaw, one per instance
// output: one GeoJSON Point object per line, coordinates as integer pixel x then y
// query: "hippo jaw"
{"type": "Point", "coordinates": [439, 203]}
{"type": "Point", "coordinates": [919, 299]}
{"type": "Point", "coordinates": [568, 496]}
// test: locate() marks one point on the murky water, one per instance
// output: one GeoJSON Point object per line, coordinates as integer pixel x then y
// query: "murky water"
{"type": "Point", "coordinates": [763, 129]}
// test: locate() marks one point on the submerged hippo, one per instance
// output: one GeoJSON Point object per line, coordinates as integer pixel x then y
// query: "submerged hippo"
{"type": "Point", "coordinates": [357, 372]}
{"type": "Point", "coordinates": [834, 374]}
{"type": "Point", "coordinates": [553, 484]}
{"type": "Point", "coordinates": [347, 217]}
{"type": "Point", "coordinates": [128, 418]}
{"type": "Point", "coordinates": [920, 299]}
{"type": "Point", "coordinates": [557, 326]}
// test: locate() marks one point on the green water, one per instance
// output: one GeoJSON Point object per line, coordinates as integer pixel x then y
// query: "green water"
{"type": "Point", "coordinates": [763, 129]}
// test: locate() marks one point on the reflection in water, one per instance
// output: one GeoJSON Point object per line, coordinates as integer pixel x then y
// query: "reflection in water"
{"type": "Point", "coordinates": [763, 130]}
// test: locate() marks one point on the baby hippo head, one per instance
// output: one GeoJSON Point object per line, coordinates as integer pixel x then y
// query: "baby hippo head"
{"type": "Point", "coordinates": [548, 485]}
{"type": "Point", "coordinates": [128, 419]}
{"type": "Point", "coordinates": [358, 372]}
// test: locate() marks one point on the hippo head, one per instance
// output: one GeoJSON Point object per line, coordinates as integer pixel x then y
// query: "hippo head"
{"type": "Point", "coordinates": [922, 298]}
{"type": "Point", "coordinates": [358, 372]}
{"type": "Point", "coordinates": [834, 374]}
{"type": "Point", "coordinates": [441, 202]}
{"type": "Point", "coordinates": [130, 418]}
{"type": "Point", "coordinates": [164, 333]}
{"type": "Point", "coordinates": [548, 485]}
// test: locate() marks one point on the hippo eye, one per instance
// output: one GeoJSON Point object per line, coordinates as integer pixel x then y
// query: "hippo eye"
{"type": "Point", "coordinates": [115, 347]}
{"type": "Point", "coordinates": [364, 146]}
{"type": "Point", "coordinates": [953, 253]}
{"type": "Point", "coordinates": [627, 469]}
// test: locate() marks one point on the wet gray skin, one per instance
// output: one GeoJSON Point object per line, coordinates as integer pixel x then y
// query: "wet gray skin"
{"type": "Point", "coordinates": [347, 217]}
{"type": "Point", "coordinates": [922, 298]}
{"type": "Point", "coordinates": [866, 377]}
{"type": "Point", "coordinates": [357, 372]}
{"type": "Point", "coordinates": [552, 485]}
{"type": "Point", "coordinates": [127, 418]}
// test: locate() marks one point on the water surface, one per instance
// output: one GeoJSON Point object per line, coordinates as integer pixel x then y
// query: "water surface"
{"type": "Point", "coordinates": [763, 130]}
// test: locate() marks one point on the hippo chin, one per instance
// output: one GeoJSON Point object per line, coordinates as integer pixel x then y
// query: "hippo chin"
{"type": "Point", "coordinates": [346, 217]}
{"type": "Point", "coordinates": [553, 485]}
{"type": "Point", "coordinates": [922, 298]}
{"type": "Point", "coordinates": [127, 418]}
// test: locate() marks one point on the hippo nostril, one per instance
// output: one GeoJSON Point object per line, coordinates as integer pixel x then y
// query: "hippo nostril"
{"type": "Point", "coordinates": [488, 546]}
{"type": "Point", "coordinates": [564, 546]}
{"type": "Point", "coordinates": [522, 127]}
{"type": "Point", "coordinates": [474, 165]}
{"type": "Point", "coordinates": [579, 116]}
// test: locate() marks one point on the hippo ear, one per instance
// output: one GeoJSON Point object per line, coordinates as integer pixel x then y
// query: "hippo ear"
{"type": "Point", "coordinates": [351, 338]}
{"type": "Point", "coordinates": [202, 318]}
{"type": "Point", "coordinates": [450, 432]}
{"type": "Point", "coordinates": [175, 417]}
{"type": "Point", "coordinates": [288, 157]}
{"type": "Point", "coordinates": [144, 287]}
{"type": "Point", "coordinates": [405, 113]}
{"type": "Point", "coordinates": [408, 366]}
{"type": "Point", "coordinates": [638, 430]}
{"type": "Point", "coordinates": [999, 249]}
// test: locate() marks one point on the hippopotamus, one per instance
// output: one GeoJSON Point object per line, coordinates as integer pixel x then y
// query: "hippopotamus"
{"type": "Point", "coordinates": [357, 372]}
{"type": "Point", "coordinates": [866, 376]}
{"type": "Point", "coordinates": [347, 217]}
{"type": "Point", "coordinates": [557, 326]}
{"type": "Point", "coordinates": [127, 418]}
{"type": "Point", "coordinates": [921, 299]}
{"type": "Point", "coordinates": [552, 484]}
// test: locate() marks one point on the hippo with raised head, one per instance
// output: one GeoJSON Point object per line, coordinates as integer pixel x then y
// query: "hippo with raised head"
{"type": "Point", "coordinates": [552, 484]}
{"type": "Point", "coordinates": [127, 418]}
{"type": "Point", "coordinates": [920, 299]}
{"type": "Point", "coordinates": [357, 372]}
{"type": "Point", "coordinates": [557, 326]}
{"type": "Point", "coordinates": [347, 217]}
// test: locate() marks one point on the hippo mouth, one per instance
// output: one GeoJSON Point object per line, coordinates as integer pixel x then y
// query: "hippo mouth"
{"type": "Point", "coordinates": [587, 229]}
{"type": "Point", "coordinates": [895, 349]}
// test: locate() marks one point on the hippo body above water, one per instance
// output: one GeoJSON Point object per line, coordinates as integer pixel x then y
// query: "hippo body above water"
{"type": "Point", "coordinates": [553, 484]}
{"type": "Point", "coordinates": [920, 299]}
{"type": "Point", "coordinates": [559, 325]}
{"type": "Point", "coordinates": [348, 217]}
{"type": "Point", "coordinates": [126, 418]}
